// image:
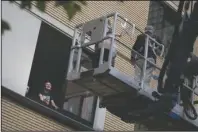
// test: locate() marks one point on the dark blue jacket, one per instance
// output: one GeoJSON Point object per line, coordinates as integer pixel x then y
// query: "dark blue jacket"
{"type": "Point", "coordinates": [139, 46]}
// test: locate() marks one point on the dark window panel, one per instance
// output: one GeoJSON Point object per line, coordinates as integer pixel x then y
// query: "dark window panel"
{"type": "Point", "coordinates": [73, 105]}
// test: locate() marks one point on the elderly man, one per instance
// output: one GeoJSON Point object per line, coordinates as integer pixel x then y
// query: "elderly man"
{"type": "Point", "coordinates": [138, 61]}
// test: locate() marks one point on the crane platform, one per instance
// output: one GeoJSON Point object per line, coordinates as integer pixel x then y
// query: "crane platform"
{"type": "Point", "coordinates": [120, 93]}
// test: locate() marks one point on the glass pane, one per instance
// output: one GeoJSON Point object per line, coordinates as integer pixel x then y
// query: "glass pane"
{"type": "Point", "coordinates": [73, 105]}
{"type": "Point", "coordinates": [87, 108]}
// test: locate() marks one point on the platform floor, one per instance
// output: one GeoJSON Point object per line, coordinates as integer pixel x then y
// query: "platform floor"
{"type": "Point", "coordinates": [119, 91]}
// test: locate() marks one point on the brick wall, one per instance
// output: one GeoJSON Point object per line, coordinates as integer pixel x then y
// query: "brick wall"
{"type": "Point", "coordinates": [113, 123]}
{"type": "Point", "coordinates": [135, 11]}
{"type": "Point", "coordinates": [18, 118]}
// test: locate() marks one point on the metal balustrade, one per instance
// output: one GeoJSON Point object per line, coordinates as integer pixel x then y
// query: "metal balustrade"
{"type": "Point", "coordinates": [120, 77]}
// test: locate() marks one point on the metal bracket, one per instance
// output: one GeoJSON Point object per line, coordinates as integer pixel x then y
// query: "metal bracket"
{"type": "Point", "coordinates": [73, 75]}
{"type": "Point", "coordinates": [102, 68]}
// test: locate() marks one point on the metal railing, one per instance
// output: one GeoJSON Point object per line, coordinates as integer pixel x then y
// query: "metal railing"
{"type": "Point", "coordinates": [124, 47]}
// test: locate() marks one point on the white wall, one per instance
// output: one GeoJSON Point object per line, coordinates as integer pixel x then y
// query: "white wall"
{"type": "Point", "coordinates": [18, 47]}
{"type": "Point", "coordinates": [0, 54]}
{"type": "Point", "coordinates": [21, 49]}
{"type": "Point", "coordinates": [99, 119]}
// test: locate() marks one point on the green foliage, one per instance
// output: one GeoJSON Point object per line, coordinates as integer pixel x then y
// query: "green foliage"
{"type": "Point", "coordinates": [4, 26]}
{"type": "Point", "coordinates": [71, 8]}
{"type": "Point", "coordinates": [41, 5]}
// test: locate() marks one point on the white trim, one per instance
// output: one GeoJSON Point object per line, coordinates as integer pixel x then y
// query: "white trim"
{"type": "Point", "coordinates": [18, 47]}
{"type": "Point", "coordinates": [1, 55]}
{"type": "Point", "coordinates": [172, 5]}
{"type": "Point", "coordinates": [100, 113]}
{"type": "Point", "coordinates": [53, 22]}
{"type": "Point", "coordinates": [50, 20]}
{"type": "Point", "coordinates": [99, 119]}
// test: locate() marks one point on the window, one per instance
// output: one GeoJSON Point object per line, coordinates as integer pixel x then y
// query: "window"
{"type": "Point", "coordinates": [80, 102]}
{"type": "Point", "coordinates": [47, 83]}
{"type": "Point", "coordinates": [81, 106]}
{"type": "Point", "coordinates": [161, 17]}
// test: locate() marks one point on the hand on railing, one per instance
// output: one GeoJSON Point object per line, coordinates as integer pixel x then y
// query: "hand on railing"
{"type": "Point", "coordinates": [133, 62]}
{"type": "Point", "coordinates": [155, 77]}
{"type": "Point", "coordinates": [156, 46]}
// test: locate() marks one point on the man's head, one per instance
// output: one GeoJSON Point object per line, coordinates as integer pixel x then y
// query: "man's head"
{"type": "Point", "coordinates": [48, 85]}
{"type": "Point", "coordinates": [149, 30]}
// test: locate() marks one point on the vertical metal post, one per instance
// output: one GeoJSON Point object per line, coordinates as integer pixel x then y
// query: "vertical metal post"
{"type": "Point", "coordinates": [102, 48]}
{"type": "Point", "coordinates": [77, 68]}
{"type": "Point", "coordinates": [112, 39]}
{"type": "Point", "coordinates": [179, 96]}
{"type": "Point", "coordinates": [133, 31]}
{"type": "Point", "coordinates": [70, 67]}
{"type": "Point", "coordinates": [145, 62]}
{"type": "Point", "coordinates": [193, 90]}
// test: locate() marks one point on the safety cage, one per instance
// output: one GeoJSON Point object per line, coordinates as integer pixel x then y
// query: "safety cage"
{"type": "Point", "coordinates": [107, 80]}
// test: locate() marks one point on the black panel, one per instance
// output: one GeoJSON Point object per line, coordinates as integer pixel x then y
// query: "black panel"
{"type": "Point", "coordinates": [50, 62]}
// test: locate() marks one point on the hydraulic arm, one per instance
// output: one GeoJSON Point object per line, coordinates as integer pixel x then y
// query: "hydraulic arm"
{"type": "Point", "coordinates": [176, 63]}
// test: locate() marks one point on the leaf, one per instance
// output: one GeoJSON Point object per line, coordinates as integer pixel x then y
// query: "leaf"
{"type": "Point", "coordinates": [41, 5]}
{"type": "Point", "coordinates": [121, 1]}
{"type": "Point", "coordinates": [11, 1]}
{"type": "Point", "coordinates": [83, 2]}
{"type": "Point", "coordinates": [4, 26]}
{"type": "Point", "coordinates": [26, 3]}
{"type": "Point", "coordinates": [71, 7]}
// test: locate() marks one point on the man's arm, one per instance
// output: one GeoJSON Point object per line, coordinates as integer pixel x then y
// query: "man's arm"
{"type": "Point", "coordinates": [41, 96]}
{"type": "Point", "coordinates": [139, 43]}
{"type": "Point", "coordinates": [53, 103]}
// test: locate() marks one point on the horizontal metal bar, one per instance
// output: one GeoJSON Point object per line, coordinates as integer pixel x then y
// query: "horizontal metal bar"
{"type": "Point", "coordinates": [138, 54]}
{"type": "Point", "coordinates": [107, 16]}
{"type": "Point", "coordinates": [79, 25]}
{"type": "Point", "coordinates": [91, 43]}
{"type": "Point", "coordinates": [139, 30]}
{"type": "Point", "coordinates": [130, 23]}
{"type": "Point", "coordinates": [111, 14]}
{"type": "Point", "coordinates": [151, 63]}
{"type": "Point", "coordinates": [86, 94]}
{"type": "Point", "coordinates": [190, 89]}
{"type": "Point", "coordinates": [152, 39]}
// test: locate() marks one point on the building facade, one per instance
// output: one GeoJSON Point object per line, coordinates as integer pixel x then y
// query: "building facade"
{"type": "Point", "coordinates": [16, 117]}
{"type": "Point", "coordinates": [41, 27]}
